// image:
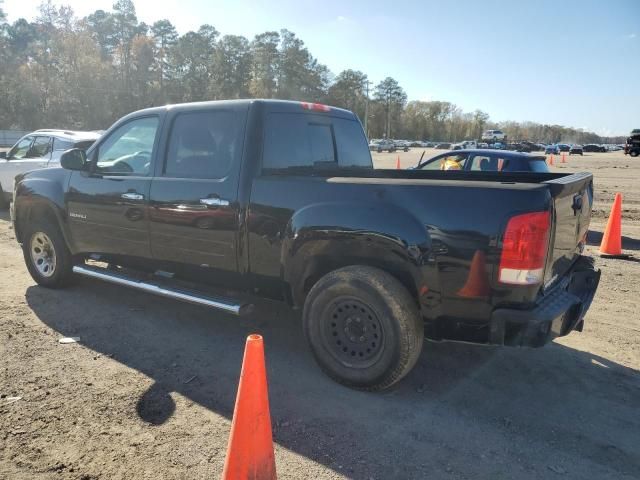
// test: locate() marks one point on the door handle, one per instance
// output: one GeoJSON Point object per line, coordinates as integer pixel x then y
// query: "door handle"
{"type": "Point", "coordinates": [214, 202]}
{"type": "Point", "coordinates": [132, 196]}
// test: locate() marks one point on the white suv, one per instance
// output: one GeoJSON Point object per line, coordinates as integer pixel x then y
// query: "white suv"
{"type": "Point", "coordinates": [493, 135]}
{"type": "Point", "coordinates": [40, 149]}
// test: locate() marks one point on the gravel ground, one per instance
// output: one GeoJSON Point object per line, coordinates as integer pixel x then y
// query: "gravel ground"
{"type": "Point", "coordinates": [148, 392]}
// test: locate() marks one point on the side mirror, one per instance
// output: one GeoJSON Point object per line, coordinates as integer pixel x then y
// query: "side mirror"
{"type": "Point", "coordinates": [74, 159]}
{"type": "Point", "coordinates": [3, 155]}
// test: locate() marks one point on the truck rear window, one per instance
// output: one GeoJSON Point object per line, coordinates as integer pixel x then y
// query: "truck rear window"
{"type": "Point", "coordinates": [314, 141]}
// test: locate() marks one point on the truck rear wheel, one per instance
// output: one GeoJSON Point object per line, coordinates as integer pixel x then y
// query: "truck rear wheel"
{"type": "Point", "coordinates": [46, 254]}
{"type": "Point", "coordinates": [363, 326]}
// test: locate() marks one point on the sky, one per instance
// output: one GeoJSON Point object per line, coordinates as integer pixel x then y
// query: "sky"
{"type": "Point", "coordinates": [568, 62]}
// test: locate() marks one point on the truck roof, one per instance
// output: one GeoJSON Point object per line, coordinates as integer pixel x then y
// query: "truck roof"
{"type": "Point", "coordinates": [283, 106]}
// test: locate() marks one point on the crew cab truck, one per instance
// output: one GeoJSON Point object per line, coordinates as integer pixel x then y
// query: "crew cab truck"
{"type": "Point", "coordinates": [275, 198]}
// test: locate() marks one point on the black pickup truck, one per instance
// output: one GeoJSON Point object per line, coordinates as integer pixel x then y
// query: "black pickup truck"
{"type": "Point", "coordinates": [217, 202]}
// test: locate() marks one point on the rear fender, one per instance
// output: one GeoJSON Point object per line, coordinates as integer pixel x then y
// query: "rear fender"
{"type": "Point", "coordinates": [323, 237]}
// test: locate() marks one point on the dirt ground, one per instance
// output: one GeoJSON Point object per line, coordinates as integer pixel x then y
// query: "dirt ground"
{"type": "Point", "coordinates": [148, 392]}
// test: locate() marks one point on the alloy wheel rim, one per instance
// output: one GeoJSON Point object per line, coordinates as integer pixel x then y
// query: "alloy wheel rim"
{"type": "Point", "coordinates": [43, 254]}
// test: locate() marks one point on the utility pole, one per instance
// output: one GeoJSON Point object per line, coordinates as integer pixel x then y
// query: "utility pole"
{"type": "Point", "coordinates": [366, 109]}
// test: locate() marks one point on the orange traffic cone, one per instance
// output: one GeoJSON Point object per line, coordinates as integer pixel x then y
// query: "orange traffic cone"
{"type": "Point", "coordinates": [612, 239]}
{"type": "Point", "coordinates": [551, 160]}
{"type": "Point", "coordinates": [477, 284]}
{"type": "Point", "coordinates": [398, 163]}
{"type": "Point", "coordinates": [250, 451]}
{"type": "Point", "coordinates": [564, 159]}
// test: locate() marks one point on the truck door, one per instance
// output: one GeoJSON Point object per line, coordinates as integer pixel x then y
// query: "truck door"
{"type": "Point", "coordinates": [193, 207]}
{"type": "Point", "coordinates": [107, 205]}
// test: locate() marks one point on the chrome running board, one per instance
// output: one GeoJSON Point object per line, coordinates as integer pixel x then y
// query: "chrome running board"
{"type": "Point", "coordinates": [226, 305]}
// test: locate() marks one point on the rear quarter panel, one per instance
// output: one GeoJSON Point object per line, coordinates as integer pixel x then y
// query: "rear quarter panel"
{"type": "Point", "coordinates": [426, 232]}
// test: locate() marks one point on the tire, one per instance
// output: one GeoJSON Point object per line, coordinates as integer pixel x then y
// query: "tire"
{"type": "Point", "coordinates": [363, 326]}
{"type": "Point", "coordinates": [633, 153]}
{"type": "Point", "coordinates": [45, 246]}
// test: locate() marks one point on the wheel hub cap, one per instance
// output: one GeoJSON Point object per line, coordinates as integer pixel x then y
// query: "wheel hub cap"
{"type": "Point", "coordinates": [353, 333]}
{"type": "Point", "coordinates": [43, 254]}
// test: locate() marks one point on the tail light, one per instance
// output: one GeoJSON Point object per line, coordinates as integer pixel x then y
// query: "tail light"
{"type": "Point", "coordinates": [524, 249]}
{"type": "Point", "coordinates": [316, 107]}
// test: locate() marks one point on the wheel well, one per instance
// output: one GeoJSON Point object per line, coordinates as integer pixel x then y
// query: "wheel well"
{"type": "Point", "coordinates": [30, 213]}
{"type": "Point", "coordinates": [322, 266]}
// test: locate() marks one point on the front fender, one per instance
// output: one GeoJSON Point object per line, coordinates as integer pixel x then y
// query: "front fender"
{"type": "Point", "coordinates": [329, 235]}
{"type": "Point", "coordinates": [41, 192]}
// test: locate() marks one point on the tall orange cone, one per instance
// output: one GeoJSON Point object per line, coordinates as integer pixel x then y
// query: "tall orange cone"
{"type": "Point", "coordinates": [551, 160]}
{"type": "Point", "coordinates": [612, 238]}
{"type": "Point", "coordinates": [398, 163]}
{"type": "Point", "coordinates": [564, 158]}
{"type": "Point", "coordinates": [477, 284]}
{"type": "Point", "coordinates": [250, 451]}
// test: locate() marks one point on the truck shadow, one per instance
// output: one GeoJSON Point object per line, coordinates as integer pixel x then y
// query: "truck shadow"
{"type": "Point", "coordinates": [475, 407]}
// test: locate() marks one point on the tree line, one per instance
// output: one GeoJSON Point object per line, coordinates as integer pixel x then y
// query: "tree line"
{"type": "Point", "coordinates": [61, 71]}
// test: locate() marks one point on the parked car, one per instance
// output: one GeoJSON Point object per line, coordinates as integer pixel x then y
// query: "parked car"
{"type": "Point", "coordinates": [402, 145]}
{"type": "Point", "coordinates": [531, 147]}
{"type": "Point", "coordinates": [39, 149]}
{"type": "Point", "coordinates": [575, 150]}
{"type": "Point", "coordinates": [564, 147]}
{"type": "Point", "coordinates": [552, 149]}
{"type": "Point", "coordinates": [485, 161]}
{"type": "Point", "coordinates": [443, 146]}
{"type": "Point", "coordinates": [374, 259]}
{"type": "Point", "coordinates": [387, 145]}
{"type": "Point", "coordinates": [592, 147]}
{"type": "Point", "coordinates": [526, 147]}
{"type": "Point", "coordinates": [493, 136]}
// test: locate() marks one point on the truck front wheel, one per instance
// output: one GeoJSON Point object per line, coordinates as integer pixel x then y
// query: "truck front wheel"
{"type": "Point", "coordinates": [46, 254]}
{"type": "Point", "coordinates": [364, 327]}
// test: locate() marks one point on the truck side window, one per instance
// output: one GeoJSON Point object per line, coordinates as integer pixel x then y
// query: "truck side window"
{"type": "Point", "coordinates": [128, 149]}
{"type": "Point", "coordinates": [303, 140]}
{"type": "Point", "coordinates": [353, 150]}
{"type": "Point", "coordinates": [204, 144]}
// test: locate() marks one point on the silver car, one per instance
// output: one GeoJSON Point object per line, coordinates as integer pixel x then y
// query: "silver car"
{"type": "Point", "coordinates": [39, 149]}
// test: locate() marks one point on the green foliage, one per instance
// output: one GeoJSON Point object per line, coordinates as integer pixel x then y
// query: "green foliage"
{"type": "Point", "coordinates": [64, 72]}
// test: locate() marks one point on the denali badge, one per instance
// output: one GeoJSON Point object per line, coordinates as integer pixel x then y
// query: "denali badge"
{"type": "Point", "coordinates": [78, 215]}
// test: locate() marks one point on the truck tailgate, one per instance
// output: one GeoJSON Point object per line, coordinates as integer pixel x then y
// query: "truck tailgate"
{"type": "Point", "coordinates": [572, 199]}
